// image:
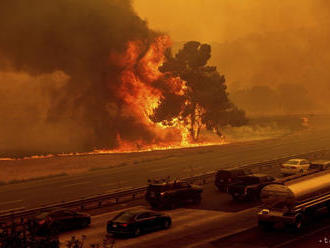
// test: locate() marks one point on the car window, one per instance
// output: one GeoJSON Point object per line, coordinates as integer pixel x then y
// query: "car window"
{"type": "Point", "coordinates": [58, 214]}
{"type": "Point", "coordinates": [143, 216]}
{"type": "Point", "coordinates": [124, 216]}
{"type": "Point", "coordinates": [294, 162]}
{"type": "Point", "coordinates": [180, 185]}
{"type": "Point", "coordinates": [153, 214]}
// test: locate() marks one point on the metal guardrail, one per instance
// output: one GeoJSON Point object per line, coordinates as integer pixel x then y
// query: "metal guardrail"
{"type": "Point", "coordinates": [20, 216]}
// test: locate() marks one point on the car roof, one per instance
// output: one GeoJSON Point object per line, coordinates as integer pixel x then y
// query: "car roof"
{"type": "Point", "coordinates": [296, 159]}
{"type": "Point", "coordinates": [140, 211]}
{"type": "Point", "coordinates": [166, 183]}
{"type": "Point", "coordinates": [257, 175]}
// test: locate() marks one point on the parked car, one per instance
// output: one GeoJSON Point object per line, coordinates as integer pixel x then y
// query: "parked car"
{"type": "Point", "coordinates": [250, 186]}
{"type": "Point", "coordinates": [295, 166]}
{"type": "Point", "coordinates": [136, 222]}
{"type": "Point", "coordinates": [172, 194]}
{"type": "Point", "coordinates": [60, 220]}
{"type": "Point", "coordinates": [223, 178]}
{"type": "Point", "coordinates": [319, 165]}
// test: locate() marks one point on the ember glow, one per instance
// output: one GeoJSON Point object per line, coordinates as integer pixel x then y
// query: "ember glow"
{"type": "Point", "coordinates": [140, 96]}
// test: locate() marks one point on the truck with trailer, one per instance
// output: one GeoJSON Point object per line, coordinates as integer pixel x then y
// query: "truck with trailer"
{"type": "Point", "coordinates": [291, 201]}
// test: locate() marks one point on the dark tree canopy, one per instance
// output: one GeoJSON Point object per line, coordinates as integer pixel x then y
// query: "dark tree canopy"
{"type": "Point", "coordinates": [205, 101]}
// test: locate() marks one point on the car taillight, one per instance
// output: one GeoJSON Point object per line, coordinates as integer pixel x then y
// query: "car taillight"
{"type": "Point", "coordinates": [162, 193]}
{"type": "Point", "coordinates": [41, 222]}
{"type": "Point", "coordinates": [123, 225]}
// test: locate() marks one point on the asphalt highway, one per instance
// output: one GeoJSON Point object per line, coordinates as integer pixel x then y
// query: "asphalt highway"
{"type": "Point", "coordinates": [215, 216]}
{"type": "Point", "coordinates": [176, 164]}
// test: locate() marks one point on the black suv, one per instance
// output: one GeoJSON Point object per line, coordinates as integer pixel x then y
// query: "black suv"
{"type": "Point", "coordinates": [249, 186]}
{"type": "Point", "coordinates": [172, 194]}
{"type": "Point", "coordinates": [224, 178]}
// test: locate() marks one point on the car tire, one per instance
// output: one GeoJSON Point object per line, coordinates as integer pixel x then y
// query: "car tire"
{"type": "Point", "coordinates": [166, 224]}
{"type": "Point", "coordinates": [137, 232]}
{"type": "Point", "coordinates": [172, 205]}
{"type": "Point", "coordinates": [236, 198]}
{"type": "Point", "coordinates": [85, 223]}
{"type": "Point", "coordinates": [298, 225]}
{"type": "Point", "coordinates": [265, 225]}
{"type": "Point", "coordinates": [154, 205]}
{"type": "Point", "coordinates": [197, 200]}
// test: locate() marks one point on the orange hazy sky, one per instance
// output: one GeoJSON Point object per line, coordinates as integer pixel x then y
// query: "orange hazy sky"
{"type": "Point", "coordinates": [226, 20]}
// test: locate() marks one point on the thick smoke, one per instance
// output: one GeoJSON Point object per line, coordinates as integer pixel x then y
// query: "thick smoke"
{"type": "Point", "coordinates": [257, 43]}
{"type": "Point", "coordinates": [40, 40]}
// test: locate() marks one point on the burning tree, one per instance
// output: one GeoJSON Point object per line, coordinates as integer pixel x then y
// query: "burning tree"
{"type": "Point", "coordinates": [205, 101]}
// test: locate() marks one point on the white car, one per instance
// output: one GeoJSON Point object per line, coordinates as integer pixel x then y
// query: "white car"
{"type": "Point", "coordinates": [295, 166]}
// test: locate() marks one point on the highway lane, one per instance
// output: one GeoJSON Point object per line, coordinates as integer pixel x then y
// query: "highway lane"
{"type": "Point", "coordinates": [216, 215]}
{"type": "Point", "coordinates": [189, 226]}
{"type": "Point", "coordinates": [315, 234]}
{"type": "Point", "coordinates": [178, 163]}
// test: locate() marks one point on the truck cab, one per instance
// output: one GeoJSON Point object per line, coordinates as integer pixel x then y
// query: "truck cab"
{"type": "Point", "coordinates": [249, 186]}
{"type": "Point", "coordinates": [291, 201]}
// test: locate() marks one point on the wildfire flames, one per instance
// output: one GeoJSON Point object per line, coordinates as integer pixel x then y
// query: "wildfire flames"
{"type": "Point", "coordinates": [140, 96]}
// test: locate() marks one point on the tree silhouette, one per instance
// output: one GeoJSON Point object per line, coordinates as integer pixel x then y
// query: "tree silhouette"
{"type": "Point", "coordinates": [205, 100]}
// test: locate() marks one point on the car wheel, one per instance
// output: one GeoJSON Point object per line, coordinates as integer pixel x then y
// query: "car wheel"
{"type": "Point", "coordinates": [197, 199]}
{"type": "Point", "coordinates": [166, 224]}
{"type": "Point", "coordinates": [236, 198]}
{"type": "Point", "coordinates": [265, 225]}
{"type": "Point", "coordinates": [85, 223]}
{"type": "Point", "coordinates": [137, 232]}
{"type": "Point", "coordinates": [154, 205]}
{"type": "Point", "coordinates": [298, 225]}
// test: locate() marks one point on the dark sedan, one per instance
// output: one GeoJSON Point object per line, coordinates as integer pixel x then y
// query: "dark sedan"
{"type": "Point", "coordinates": [60, 220]}
{"type": "Point", "coordinates": [135, 222]}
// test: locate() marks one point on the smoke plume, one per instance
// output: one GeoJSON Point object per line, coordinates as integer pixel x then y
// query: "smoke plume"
{"type": "Point", "coordinates": [57, 80]}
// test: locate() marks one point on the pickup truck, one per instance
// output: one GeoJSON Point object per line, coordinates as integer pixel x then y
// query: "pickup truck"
{"type": "Point", "coordinates": [249, 186]}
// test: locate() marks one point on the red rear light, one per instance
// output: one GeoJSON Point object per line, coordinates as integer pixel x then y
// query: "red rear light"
{"type": "Point", "coordinates": [41, 222]}
{"type": "Point", "coordinates": [124, 225]}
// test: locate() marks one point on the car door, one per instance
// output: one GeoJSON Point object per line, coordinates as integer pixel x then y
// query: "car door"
{"type": "Point", "coordinates": [145, 221]}
{"type": "Point", "coordinates": [68, 220]}
{"type": "Point", "coordinates": [183, 192]}
{"type": "Point", "coordinates": [58, 221]}
{"type": "Point", "coordinates": [305, 164]}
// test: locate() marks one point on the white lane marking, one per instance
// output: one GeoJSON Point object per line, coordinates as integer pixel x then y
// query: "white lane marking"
{"type": "Point", "coordinates": [10, 202]}
{"type": "Point", "coordinates": [74, 184]}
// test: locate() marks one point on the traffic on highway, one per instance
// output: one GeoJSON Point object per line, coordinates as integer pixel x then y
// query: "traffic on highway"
{"type": "Point", "coordinates": [273, 201]}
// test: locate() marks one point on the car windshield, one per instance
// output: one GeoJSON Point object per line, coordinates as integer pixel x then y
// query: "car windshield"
{"type": "Point", "coordinates": [124, 217]}
{"type": "Point", "coordinates": [292, 162]}
{"type": "Point", "coordinates": [42, 216]}
{"type": "Point", "coordinates": [250, 180]}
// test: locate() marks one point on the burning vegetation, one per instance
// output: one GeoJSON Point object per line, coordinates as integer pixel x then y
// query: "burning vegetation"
{"type": "Point", "coordinates": [123, 87]}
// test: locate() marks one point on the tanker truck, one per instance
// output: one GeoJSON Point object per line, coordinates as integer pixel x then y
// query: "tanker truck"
{"type": "Point", "coordinates": [291, 201]}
